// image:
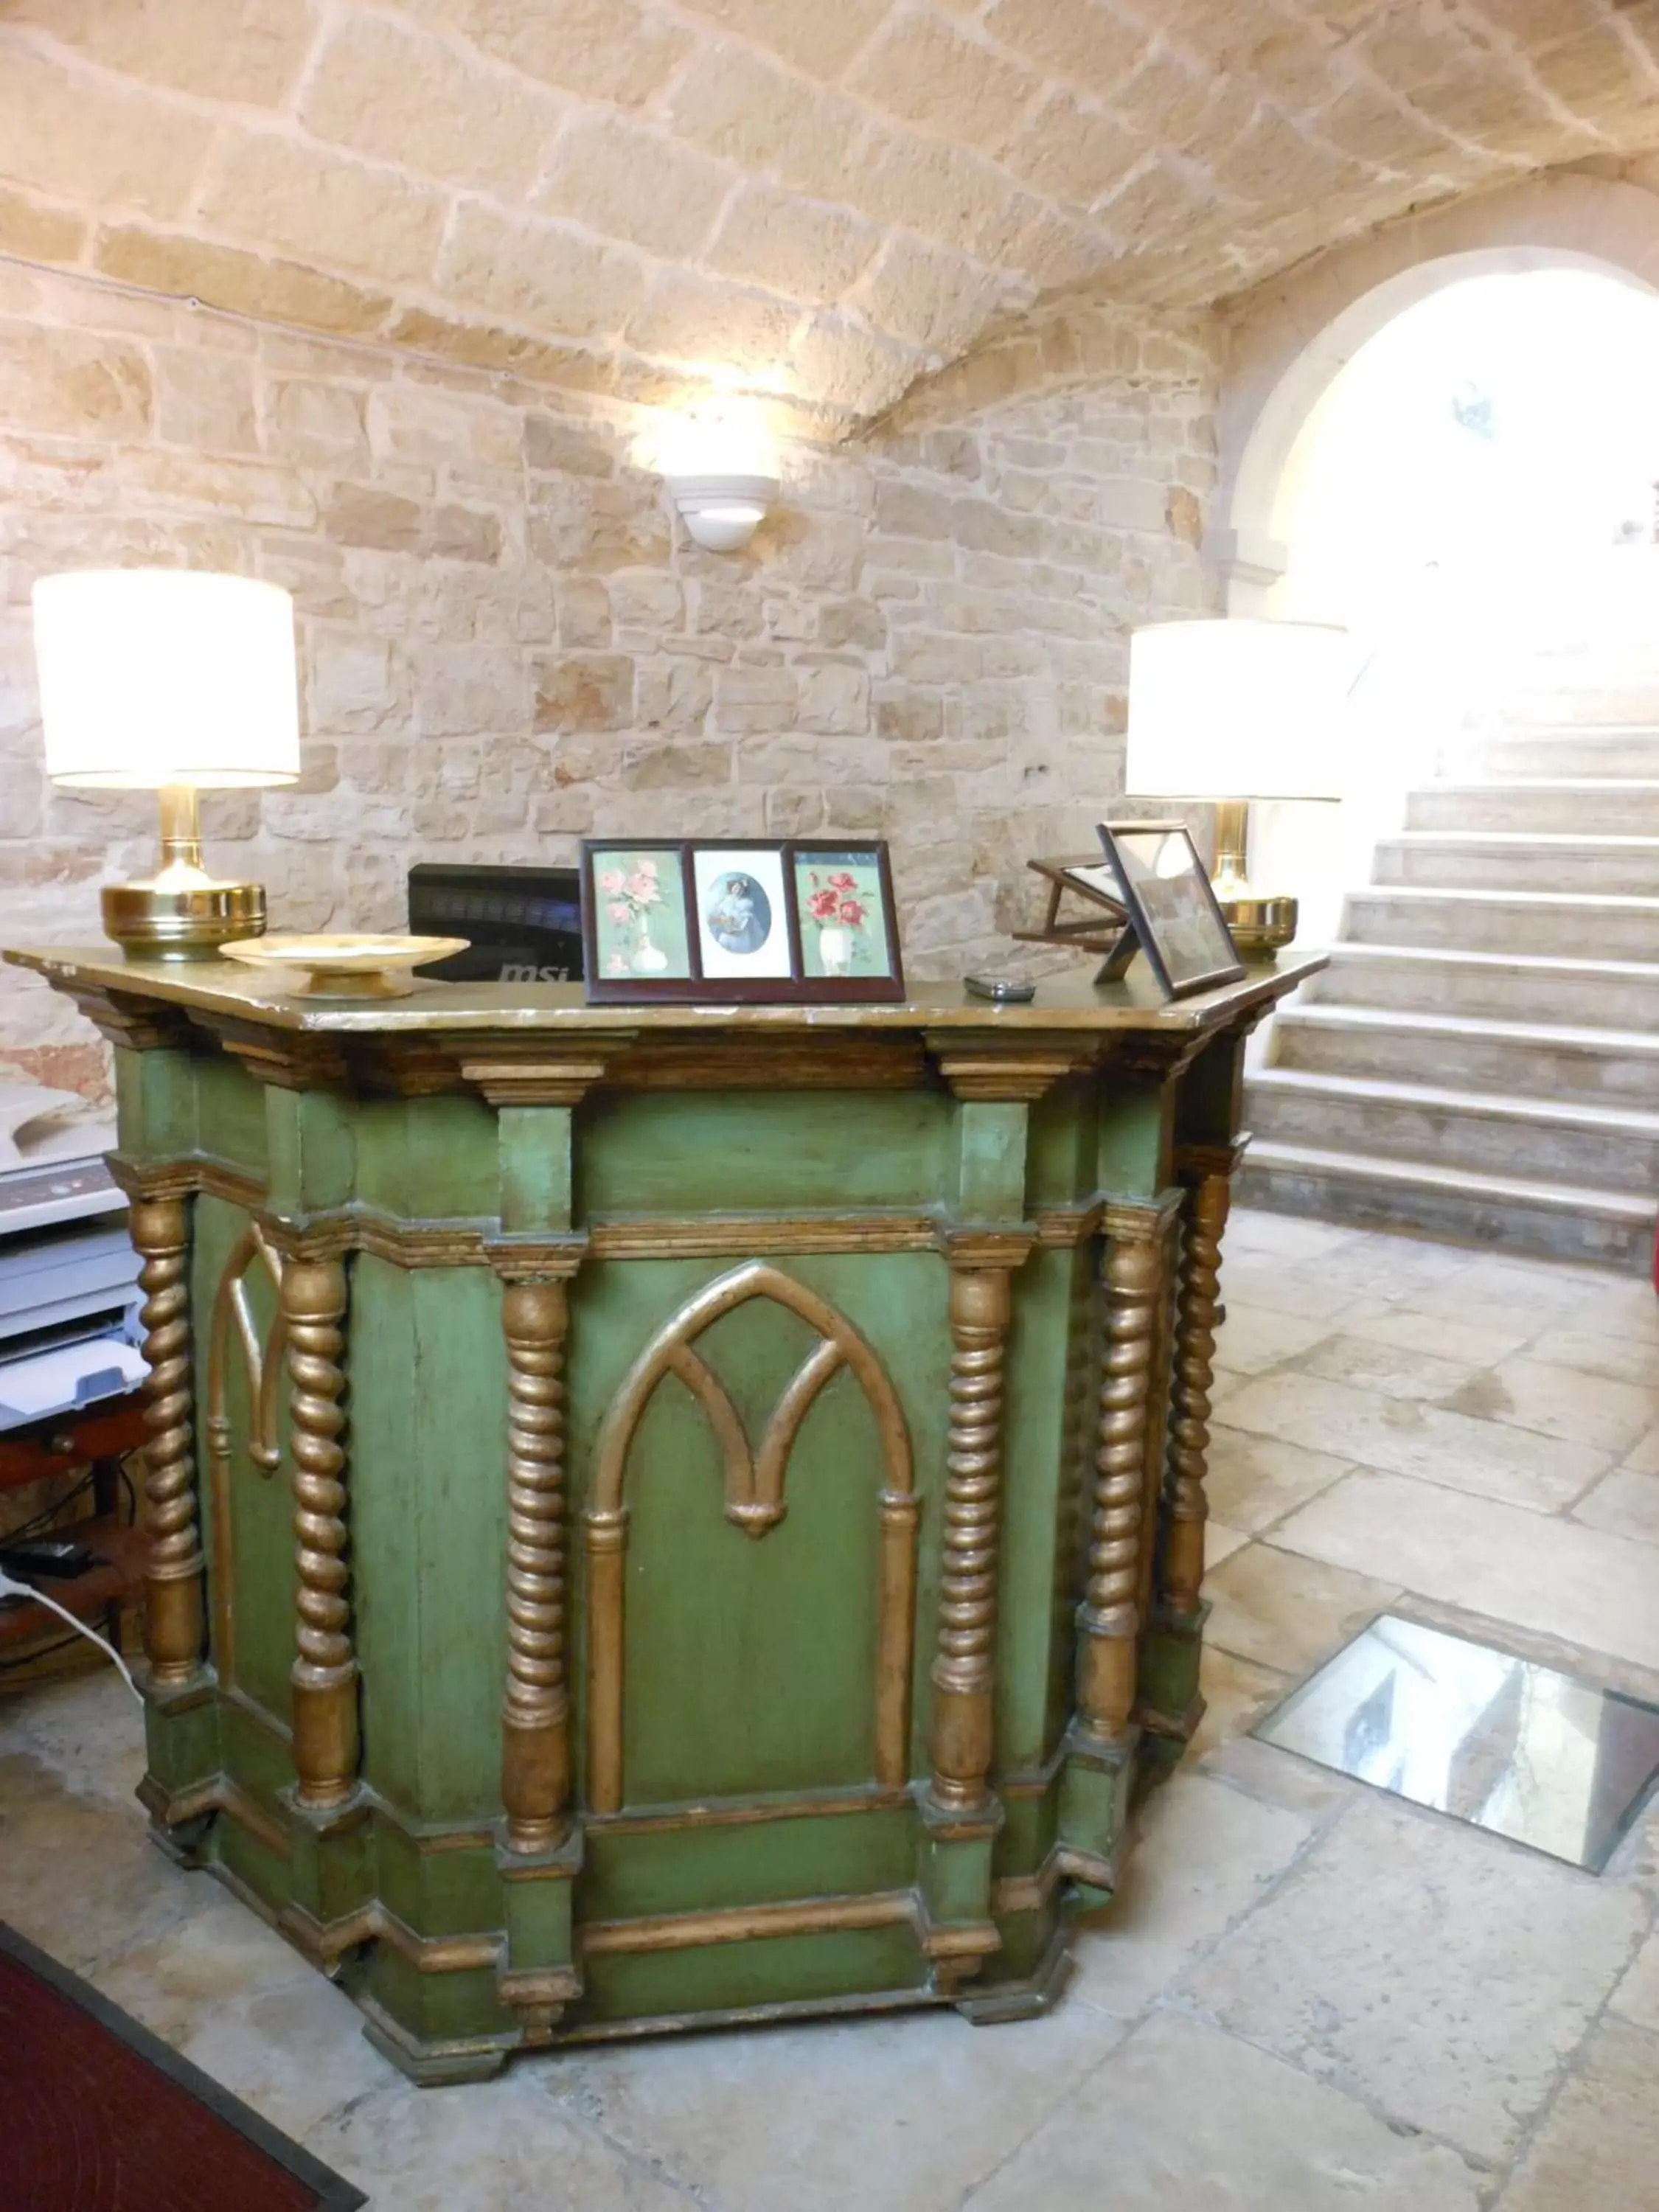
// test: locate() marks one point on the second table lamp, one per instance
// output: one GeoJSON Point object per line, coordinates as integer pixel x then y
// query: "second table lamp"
{"type": "Point", "coordinates": [1231, 709]}
{"type": "Point", "coordinates": [174, 681]}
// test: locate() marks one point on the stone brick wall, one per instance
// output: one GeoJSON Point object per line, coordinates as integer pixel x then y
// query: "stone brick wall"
{"type": "Point", "coordinates": [507, 641]}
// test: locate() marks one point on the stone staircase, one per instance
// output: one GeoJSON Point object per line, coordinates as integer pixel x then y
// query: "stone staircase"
{"type": "Point", "coordinates": [1480, 1059]}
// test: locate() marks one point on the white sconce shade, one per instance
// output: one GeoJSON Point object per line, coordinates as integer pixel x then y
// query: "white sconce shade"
{"type": "Point", "coordinates": [723, 513]}
{"type": "Point", "coordinates": [152, 677]}
{"type": "Point", "coordinates": [720, 467]}
{"type": "Point", "coordinates": [1237, 708]}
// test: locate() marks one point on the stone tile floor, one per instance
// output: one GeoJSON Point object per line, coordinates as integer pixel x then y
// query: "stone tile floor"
{"type": "Point", "coordinates": [1309, 1997]}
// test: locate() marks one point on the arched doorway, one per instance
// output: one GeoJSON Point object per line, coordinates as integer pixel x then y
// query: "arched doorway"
{"type": "Point", "coordinates": [1456, 455]}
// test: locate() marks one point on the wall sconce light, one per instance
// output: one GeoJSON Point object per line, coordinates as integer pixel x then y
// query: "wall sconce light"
{"type": "Point", "coordinates": [720, 468]}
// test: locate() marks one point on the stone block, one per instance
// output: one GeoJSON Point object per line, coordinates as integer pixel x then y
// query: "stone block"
{"type": "Point", "coordinates": [601, 527]}
{"type": "Point", "coordinates": [774, 239]}
{"type": "Point", "coordinates": [246, 51]}
{"type": "Point", "coordinates": [353, 685]}
{"type": "Point", "coordinates": [538, 273]}
{"type": "Point", "coordinates": [926, 298]}
{"type": "Point", "coordinates": [688, 318]}
{"type": "Point", "coordinates": [569, 448]}
{"type": "Point", "coordinates": [850, 367]}
{"type": "Point", "coordinates": [246, 283]}
{"type": "Point", "coordinates": [33, 233]}
{"type": "Point", "coordinates": [448, 118]}
{"type": "Point", "coordinates": [835, 699]}
{"type": "Point", "coordinates": [675, 694]}
{"type": "Point", "coordinates": [606, 48]}
{"type": "Point", "coordinates": [473, 691]}
{"type": "Point", "coordinates": [643, 600]}
{"type": "Point", "coordinates": [286, 196]}
{"type": "Point", "coordinates": [676, 767]}
{"type": "Point", "coordinates": [908, 511]}
{"type": "Point", "coordinates": [819, 41]}
{"type": "Point", "coordinates": [858, 622]}
{"type": "Point", "coordinates": [463, 533]}
{"type": "Point", "coordinates": [755, 698]}
{"type": "Point", "coordinates": [583, 692]}
{"type": "Point", "coordinates": [83, 138]}
{"type": "Point", "coordinates": [924, 71]}
{"type": "Point", "coordinates": [1076, 155]}
{"type": "Point", "coordinates": [633, 184]}
{"type": "Point", "coordinates": [71, 383]}
{"type": "Point", "coordinates": [204, 400]}
{"type": "Point", "coordinates": [584, 610]}
{"type": "Point", "coordinates": [1094, 48]}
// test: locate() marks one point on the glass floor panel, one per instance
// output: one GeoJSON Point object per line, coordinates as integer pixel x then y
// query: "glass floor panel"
{"type": "Point", "coordinates": [1501, 1742]}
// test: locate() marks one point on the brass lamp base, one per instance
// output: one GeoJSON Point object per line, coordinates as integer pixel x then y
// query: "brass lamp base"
{"type": "Point", "coordinates": [181, 913]}
{"type": "Point", "coordinates": [1259, 926]}
{"type": "Point", "coordinates": [163, 922]}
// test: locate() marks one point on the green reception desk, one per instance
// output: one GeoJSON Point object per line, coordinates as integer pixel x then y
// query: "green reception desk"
{"type": "Point", "coordinates": [676, 1516]}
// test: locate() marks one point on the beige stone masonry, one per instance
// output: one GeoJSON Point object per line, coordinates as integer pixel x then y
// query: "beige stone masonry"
{"type": "Point", "coordinates": [507, 641]}
{"type": "Point", "coordinates": [827, 203]}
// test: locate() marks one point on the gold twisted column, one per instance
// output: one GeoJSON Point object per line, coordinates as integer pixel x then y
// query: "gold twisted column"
{"type": "Point", "coordinates": [964, 1670]}
{"type": "Point", "coordinates": [1189, 1432]}
{"type": "Point", "coordinates": [1110, 1619]}
{"type": "Point", "coordinates": [535, 1713]}
{"type": "Point", "coordinates": [173, 1594]}
{"type": "Point", "coordinates": [325, 1672]}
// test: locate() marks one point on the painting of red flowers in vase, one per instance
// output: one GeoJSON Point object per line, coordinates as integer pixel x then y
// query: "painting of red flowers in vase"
{"type": "Point", "coordinates": [843, 931]}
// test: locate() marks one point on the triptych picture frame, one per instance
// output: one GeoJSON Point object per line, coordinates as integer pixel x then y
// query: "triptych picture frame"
{"type": "Point", "coordinates": [746, 921]}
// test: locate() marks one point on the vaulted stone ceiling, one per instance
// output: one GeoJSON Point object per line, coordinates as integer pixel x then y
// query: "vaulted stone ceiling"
{"type": "Point", "coordinates": [821, 199]}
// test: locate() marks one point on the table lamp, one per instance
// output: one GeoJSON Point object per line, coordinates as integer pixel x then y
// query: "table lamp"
{"type": "Point", "coordinates": [172, 681]}
{"type": "Point", "coordinates": [1229, 710]}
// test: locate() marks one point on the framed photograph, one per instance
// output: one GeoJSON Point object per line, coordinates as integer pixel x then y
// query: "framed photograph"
{"type": "Point", "coordinates": [743, 916]}
{"type": "Point", "coordinates": [1182, 930]}
{"type": "Point", "coordinates": [804, 922]}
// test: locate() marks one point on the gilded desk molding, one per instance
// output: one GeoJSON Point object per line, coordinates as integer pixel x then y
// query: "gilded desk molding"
{"type": "Point", "coordinates": [698, 1512]}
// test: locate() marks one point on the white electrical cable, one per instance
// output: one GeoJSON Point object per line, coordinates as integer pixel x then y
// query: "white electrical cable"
{"type": "Point", "coordinates": [10, 1587]}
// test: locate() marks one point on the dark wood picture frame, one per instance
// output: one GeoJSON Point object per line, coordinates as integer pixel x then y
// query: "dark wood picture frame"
{"type": "Point", "coordinates": [1147, 925]}
{"type": "Point", "coordinates": [797, 987]}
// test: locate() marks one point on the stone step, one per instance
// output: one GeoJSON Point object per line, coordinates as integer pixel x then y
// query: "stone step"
{"type": "Point", "coordinates": [1612, 806]}
{"type": "Point", "coordinates": [1455, 1052]}
{"type": "Point", "coordinates": [1545, 1140]}
{"type": "Point", "coordinates": [1495, 986]}
{"type": "Point", "coordinates": [1562, 750]}
{"type": "Point", "coordinates": [1519, 860]}
{"type": "Point", "coordinates": [1550, 1221]}
{"type": "Point", "coordinates": [1520, 923]}
{"type": "Point", "coordinates": [1581, 703]}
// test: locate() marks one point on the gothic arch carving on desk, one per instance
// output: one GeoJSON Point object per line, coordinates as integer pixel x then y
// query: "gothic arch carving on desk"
{"type": "Point", "coordinates": [754, 1501]}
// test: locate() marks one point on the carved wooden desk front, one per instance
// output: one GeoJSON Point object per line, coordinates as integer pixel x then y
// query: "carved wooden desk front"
{"type": "Point", "coordinates": [669, 1516]}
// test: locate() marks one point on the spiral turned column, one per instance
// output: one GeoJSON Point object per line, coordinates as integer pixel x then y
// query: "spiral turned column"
{"type": "Point", "coordinates": [325, 1672]}
{"type": "Point", "coordinates": [1110, 1619]}
{"type": "Point", "coordinates": [173, 1594]}
{"type": "Point", "coordinates": [964, 1670]}
{"type": "Point", "coordinates": [535, 1713]}
{"type": "Point", "coordinates": [1185, 1503]}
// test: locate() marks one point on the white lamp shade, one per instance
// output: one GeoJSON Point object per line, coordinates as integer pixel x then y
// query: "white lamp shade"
{"type": "Point", "coordinates": [1237, 709]}
{"type": "Point", "coordinates": [151, 677]}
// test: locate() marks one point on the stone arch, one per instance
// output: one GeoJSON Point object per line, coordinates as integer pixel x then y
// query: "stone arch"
{"type": "Point", "coordinates": [1290, 338]}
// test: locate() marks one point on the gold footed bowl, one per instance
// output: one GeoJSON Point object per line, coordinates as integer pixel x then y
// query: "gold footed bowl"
{"type": "Point", "coordinates": [346, 967]}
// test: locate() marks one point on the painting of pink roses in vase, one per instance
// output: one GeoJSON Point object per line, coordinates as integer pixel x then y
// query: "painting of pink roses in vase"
{"type": "Point", "coordinates": [638, 914]}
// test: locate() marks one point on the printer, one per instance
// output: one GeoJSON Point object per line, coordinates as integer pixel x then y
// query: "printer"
{"type": "Point", "coordinates": [70, 1299]}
